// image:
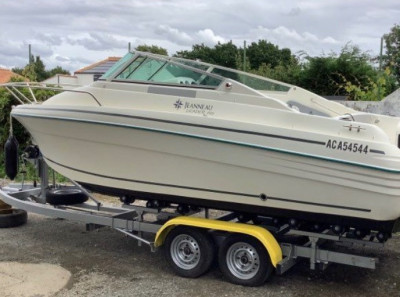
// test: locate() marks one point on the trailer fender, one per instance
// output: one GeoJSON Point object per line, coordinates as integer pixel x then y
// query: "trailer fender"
{"type": "Point", "coordinates": [263, 235]}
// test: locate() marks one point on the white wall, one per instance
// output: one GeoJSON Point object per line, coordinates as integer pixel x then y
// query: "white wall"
{"type": "Point", "coordinates": [70, 81]}
{"type": "Point", "coordinates": [61, 79]}
{"type": "Point", "coordinates": [84, 79]}
{"type": "Point", "coordinates": [390, 105]}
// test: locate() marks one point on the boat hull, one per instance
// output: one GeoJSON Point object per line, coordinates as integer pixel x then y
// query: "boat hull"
{"type": "Point", "coordinates": [221, 169]}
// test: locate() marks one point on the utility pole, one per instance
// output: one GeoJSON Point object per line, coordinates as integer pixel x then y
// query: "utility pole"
{"type": "Point", "coordinates": [244, 56]}
{"type": "Point", "coordinates": [380, 54]}
{"type": "Point", "coordinates": [129, 47]}
{"type": "Point", "coordinates": [380, 68]}
{"type": "Point", "coordinates": [30, 60]}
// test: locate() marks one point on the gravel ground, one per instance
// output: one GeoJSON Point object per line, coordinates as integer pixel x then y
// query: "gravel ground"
{"type": "Point", "coordinates": [106, 263]}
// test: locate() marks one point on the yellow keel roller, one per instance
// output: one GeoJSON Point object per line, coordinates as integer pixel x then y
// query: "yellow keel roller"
{"type": "Point", "coordinates": [263, 235]}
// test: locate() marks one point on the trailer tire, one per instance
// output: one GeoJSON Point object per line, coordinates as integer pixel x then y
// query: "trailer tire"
{"type": "Point", "coordinates": [65, 196]}
{"type": "Point", "coordinates": [189, 251]}
{"type": "Point", "coordinates": [244, 260]}
{"type": "Point", "coordinates": [15, 218]}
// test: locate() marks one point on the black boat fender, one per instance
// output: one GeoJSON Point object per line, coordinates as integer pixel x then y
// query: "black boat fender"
{"type": "Point", "coordinates": [11, 157]}
{"type": "Point", "coordinates": [65, 196]}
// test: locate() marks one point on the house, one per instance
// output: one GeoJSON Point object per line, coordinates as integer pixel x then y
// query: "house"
{"type": "Point", "coordinates": [83, 76]}
{"type": "Point", "coordinates": [6, 75]}
{"type": "Point", "coordinates": [95, 71]}
{"type": "Point", "coordinates": [63, 79]}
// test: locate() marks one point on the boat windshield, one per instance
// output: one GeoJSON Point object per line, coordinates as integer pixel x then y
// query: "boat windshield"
{"type": "Point", "coordinates": [116, 67]}
{"type": "Point", "coordinates": [166, 70]}
{"type": "Point", "coordinates": [153, 70]}
{"type": "Point", "coordinates": [252, 81]}
{"type": "Point", "coordinates": [256, 83]}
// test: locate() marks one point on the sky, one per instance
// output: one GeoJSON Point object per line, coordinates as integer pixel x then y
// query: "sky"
{"type": "Point", "coordinates": [76, 33]}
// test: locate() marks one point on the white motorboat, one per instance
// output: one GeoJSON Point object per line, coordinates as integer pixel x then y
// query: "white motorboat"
{"type": "Point", "coordinates": [169, 129]}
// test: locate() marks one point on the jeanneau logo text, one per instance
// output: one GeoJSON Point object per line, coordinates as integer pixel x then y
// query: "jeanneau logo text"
{"type": "Point", "coordinates": [195, 108]}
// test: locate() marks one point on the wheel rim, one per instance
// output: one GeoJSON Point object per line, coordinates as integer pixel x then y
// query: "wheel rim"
{"type": "Point", "coordinates": [242, 260]}
{"type": "Point", "coordinates": [185, 251]}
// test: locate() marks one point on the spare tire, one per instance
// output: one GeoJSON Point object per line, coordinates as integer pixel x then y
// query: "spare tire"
{"type": "Point", "coordinates": [16, 217]}
{"type": "Point", "coordinates": [65, 196]}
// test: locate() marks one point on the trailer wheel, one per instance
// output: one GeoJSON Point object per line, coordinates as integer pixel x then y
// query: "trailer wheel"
{"type": "Point", "coordinates": [244, 260]}
{"type": "Point", "coordinates": [15, 218]}
{"type": "Point", "coordinates": [65, 196]}
{"type": "Point", "coordinates": [189, 251]}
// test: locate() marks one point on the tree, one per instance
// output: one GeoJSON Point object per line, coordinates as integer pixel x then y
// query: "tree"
{"type": "Point", "coordinates": [392, 54]}
{"type": "Point", "coordinates": [229, 55]}
{"type": "Point", "coordinates": [264, 52]}
{"type": "Point", "coordinates": [18, 70]}
{"type": "Point", "coordinates": [30, 72]}
{"type": "Point", "coordinates": [372, 91]}
{"type": "Point", "coordinates": [40, 69]}
{"type": "Point", "coordinates": [6, 103]}
{"type": "Point", "coordinates": [57, 70]}
{"type": "Point", "coordinates": [152, 49]}
{"type": "Point", "coordinates": [200, 52]}
{"type": "Point", "coordinates": [36, 70]}
{"type": "Point", "coordinates": [326, 75]}
{"type": "Point", "coordinates": [285, 73]}
{"type": "Point", "coordinates": [223, 54]}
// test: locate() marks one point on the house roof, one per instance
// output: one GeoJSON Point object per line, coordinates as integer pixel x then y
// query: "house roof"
{"type": "Point", "coordinates": [100, 67]}
{"type": "Point", "coordinates": [6, 75]}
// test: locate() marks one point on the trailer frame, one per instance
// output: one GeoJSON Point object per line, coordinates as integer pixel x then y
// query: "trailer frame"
{"type": "Point", "coordinates": [133, 221]}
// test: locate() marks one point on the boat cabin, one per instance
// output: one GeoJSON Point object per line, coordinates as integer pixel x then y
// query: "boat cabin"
{"type": "Point", "coordinates": [152, 69]}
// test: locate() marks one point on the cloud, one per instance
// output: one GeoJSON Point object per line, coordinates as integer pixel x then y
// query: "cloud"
{"type": "Point", "coordinates": [19, 51]}
{"type": "Point", "coordinates": [98, 42]}
{"type": "Point", "coordinates": [13, 61]}
{"type": "Point", "coordinates": [40, 49]}
{"type": "Point", "coordinates": [294, 11]}
{"type": "Point", "coordinates": [13, 48]}
{"type": "Point", "coordinates": [62, 59]}
{"type": "Point", "coordinates": [174, 35]}
{"type": "Point", "coordinates": [206, 36]}
{"type": "Point", "coordinates": [49, 39]}
{"type": "Point", "coordinates": [71, 63]}
{"type": "Point", "coordinates": [330, 40]}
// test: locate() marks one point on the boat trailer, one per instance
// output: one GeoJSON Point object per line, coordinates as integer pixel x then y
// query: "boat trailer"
{"type": "Point", "coordinates": [243, 247]}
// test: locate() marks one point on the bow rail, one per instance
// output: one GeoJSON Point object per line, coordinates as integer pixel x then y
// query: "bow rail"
{"type": "Point", "coordinates": [14, 89]}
